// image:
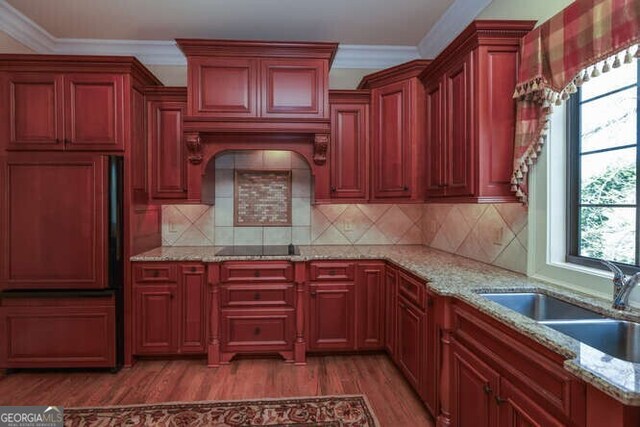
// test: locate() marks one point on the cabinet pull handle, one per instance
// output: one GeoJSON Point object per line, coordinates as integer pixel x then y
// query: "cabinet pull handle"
{"type": "Point", "coordinates": [256, 296]}
{"type": "Point", "coordinates": [256, 273]}
{"type": "Point", "coordinates": [500, 400]}
{"type": "Point", "coordinates": [193, 269]}
{"type": "Point", "coordinates": [405, 188]}
{"type": "Point", "coordinates": [256, 331]}
{"type": "Point", "coordinates": [333, 189]}
{"type": "Point", "coordinates": [171, 295]}
{"type": "Point", "coordinates": [487, 389]}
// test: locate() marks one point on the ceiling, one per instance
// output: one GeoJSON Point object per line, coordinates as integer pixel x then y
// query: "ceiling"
{"type": "Point", "coordinates": [370, 22]}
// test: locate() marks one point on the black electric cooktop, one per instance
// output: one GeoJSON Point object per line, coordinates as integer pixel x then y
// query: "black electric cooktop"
{"type": "Point", "coordinates": [278, 250]}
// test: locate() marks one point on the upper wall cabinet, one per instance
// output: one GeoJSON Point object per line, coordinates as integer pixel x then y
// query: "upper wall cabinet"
{"type": "Point", "coordinates": [397, 132]}
{"type": "Point", "coordinates": [241, 80]}
{"type": "Point", "coordinates": [69, 103]}
{"type": "Point", "coordinates": [470, 113]}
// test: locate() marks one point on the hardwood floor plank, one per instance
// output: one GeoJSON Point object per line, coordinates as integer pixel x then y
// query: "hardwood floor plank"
{"type": "Point", "coordinates": [150, 381]}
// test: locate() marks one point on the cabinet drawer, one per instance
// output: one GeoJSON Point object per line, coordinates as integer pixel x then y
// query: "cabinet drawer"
{"type": "Point", "coordinates": [256, 272]}
{"type": "Point", "coordinates": [331, 271]}
{"type": "Point", "coordinates": [256, 331]}
{"type": "Point", "coordinates": [266, 295]}
{"type": "Point", "coordinates": [155, 273]}
{"type": "Point", "coordinates": [412, 289]}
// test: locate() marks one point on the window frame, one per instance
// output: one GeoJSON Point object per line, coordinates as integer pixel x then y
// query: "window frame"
{"type": "Point", "coordinates": [573, 180]}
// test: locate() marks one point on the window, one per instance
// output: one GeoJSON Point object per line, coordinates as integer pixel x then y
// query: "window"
{"type": "Point", "coordinates": [603, 219]}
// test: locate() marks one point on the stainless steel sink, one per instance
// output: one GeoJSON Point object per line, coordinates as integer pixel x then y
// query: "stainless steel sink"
{"type": "Point", "coordinates": [618, 338]}
{"type": "Point", "coordinates": [541, 307]}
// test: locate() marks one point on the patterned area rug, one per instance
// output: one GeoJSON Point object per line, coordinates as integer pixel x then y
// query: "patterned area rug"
{"type": "Point", "coordinates": [325, 411]}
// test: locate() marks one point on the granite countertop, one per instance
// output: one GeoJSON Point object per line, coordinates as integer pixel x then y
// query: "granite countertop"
{"type": "Point", "coordinates": [463, 278]}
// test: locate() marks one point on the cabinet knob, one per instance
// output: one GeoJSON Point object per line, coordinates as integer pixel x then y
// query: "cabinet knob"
{"type": "Point", "coordinates": [156, 273]}
{"type": "Point", "coordinates": [256, 273]}
{"type": "Point", "coordinates": [193, 269]}
{"type": "Point", "coordinates": [332, 272]}
{"type": "Point", "coordinates": [313, 294]}
{"type": "Point", "coordinates": [171, 295]}
{"type": "Point", "coordinates": [256, 331]}
{"type": "Point", "coordinates": [333, 189]}
{"type": "Point", "coordinates": [405, 188]}
{"type": "Point", "coordinates": [256, 296]}
{"type": "Point", "coordinates": [487, 389]}
{"type": "Point", "coordinates": [500, 400]}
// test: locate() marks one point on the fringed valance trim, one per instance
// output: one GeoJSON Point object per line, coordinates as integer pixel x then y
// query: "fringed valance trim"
{"type": "Point", "coordinates": [538, 91]}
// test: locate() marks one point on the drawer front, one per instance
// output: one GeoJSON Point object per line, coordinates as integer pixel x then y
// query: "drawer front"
{"type": "Point", "coordinates": [245, 331]}
{"type": "Point", "coordinates": [527, 364]}
{"type": "Point", "coordinates": [256, 272]}
{"type": "Point", "coordinates": [412, 289]}
{"type": "Point", "coordinates": [155, 273]}
{"type": "Point", "coordinates": [332, 271]}
{"type": "Point", "coordinates": [267, 295]}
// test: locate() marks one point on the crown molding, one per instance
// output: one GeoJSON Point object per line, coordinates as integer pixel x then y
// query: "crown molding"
{"type": "Point", "coordinates": [455, 19]}
{"type": "Point", "coordinates": [160, 52]}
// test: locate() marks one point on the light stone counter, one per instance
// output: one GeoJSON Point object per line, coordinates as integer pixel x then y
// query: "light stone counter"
{"type": "Point", "coordinates": [463, 278]}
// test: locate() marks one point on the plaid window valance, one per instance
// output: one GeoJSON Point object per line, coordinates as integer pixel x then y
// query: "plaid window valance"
{"type": "Point", "coordinates": [586, 39]}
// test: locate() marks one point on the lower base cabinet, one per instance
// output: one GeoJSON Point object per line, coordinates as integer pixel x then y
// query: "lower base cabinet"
{"type": "Point", "coordinates": [170, 309]}
{"type": "Point", "coordinates": [332, 317]}
{"type": "Point", "coordinates": [58, 332]}
{"type": "Point", "coordinates": [410, 342]}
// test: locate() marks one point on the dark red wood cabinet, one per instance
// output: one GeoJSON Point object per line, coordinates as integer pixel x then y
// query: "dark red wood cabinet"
{"type": "Point", "coordinates": [391, 304]}
{"type": "Point", "coordinates": [370, 310]}
{"type": "Point", "coordinates": [166, 108]}
{"type": "Point", "coordinates": [54, 222]}
{"type": "Point", "coordinates": [470, 113]}
{"type": "Point", "coordinates": [397, 147]}
{"type": "Point", "coordinates": [349, 146]}
{"type": "Point", "coordinates": [410, 353]}
{"type": "Point", "coordinates": [332, 316]}
{"type": "Point", "coordinates": [71, 111]}
{"type": "Point", "coordinates": [170, 308]}
{"type": "Point", "coordinates": [57, 332]}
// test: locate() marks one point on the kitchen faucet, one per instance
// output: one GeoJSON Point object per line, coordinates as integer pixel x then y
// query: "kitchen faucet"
{"type": "Point", "coordinates": [622, 285]}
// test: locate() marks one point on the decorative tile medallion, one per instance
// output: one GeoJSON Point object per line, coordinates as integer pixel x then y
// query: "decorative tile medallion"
{"type": "Point", "coordinates": [262, 198]}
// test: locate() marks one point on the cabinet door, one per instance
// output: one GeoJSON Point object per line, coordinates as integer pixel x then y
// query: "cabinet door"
{"type": "Point", "coordinates": [332, 317]}
{"type": "Point", "coordinates": [168, 152]}
{"type": "Point", "coordinates": [348, 152]}
{"type": "Point", "coordinates": [391, 302]}
{"type": "Point", "coordinates": [370, 309]}
{"type": "Point", "coordinates": [94, 112]}
{"type": "Point", "coordinates": [459, 101]}
{"type": "Point", "coordinates": [473, 390]}
{"type": "Point", "coordinates": [156, 318]}
{"type": "Point", "coordinates": [410, 342]}
{"type": "Point", "coordinates": [55, 222]}
{"type": "Point", "coordinates": [192, 313]}
{"type": "Point", "coordinates": [223, 87]}
{"type": "Point", "coordinates": [436, 147]}
{"type": "Point", "coordinates": [392, 141]}
{"type": "Point", "coordinates": [32, 104]}
{"type": "Point", "coordinates": [294, 88]}
{"type": "Point", "coordinates": [518, 410]}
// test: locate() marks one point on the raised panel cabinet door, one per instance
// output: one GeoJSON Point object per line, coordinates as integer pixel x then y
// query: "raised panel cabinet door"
{"type": "Point", "coordinates": [332, 317]}
{"type": "Point", "coordinates": [516, 409]}
{"type": "Point", "coordinates": [370, 308]}
{"type": "Point", "coordinates": [193, 309]}
{"type": "Point", "coordinates": [94, 112]}
{"type": "Point", "coordinates": [459, 157]}
{"type": "Point", "coordinates": [410, 342]}
{"type": "Point", "coordinates": [349, 151]}
{"type": "Point", "coordinates": [294, 88]}
{"type": "Point", "coordinates": [436, 144]}
{"type": "Point", "coordinates": [392, 141]}
{"type": "Point", "coordinates": [390, 318]}
{"type": "Point", "coordinates": [474, 390]}
{"type": "Point", "coordinates": [156, 318]}
{"type": "Point", "coordinates": [55, 222]}
{"type": "Point", "coordinates": [32, 104]}
{"type": "Point", "coordinates": [58, 333]}
{"type": "Point", "coordinates": [168, 152]}
{"type": "Point", "coordinates": [223, 87]}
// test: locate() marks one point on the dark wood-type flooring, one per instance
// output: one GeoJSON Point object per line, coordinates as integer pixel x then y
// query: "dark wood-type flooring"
{"type": "Point", "coordinates": [151, 381]}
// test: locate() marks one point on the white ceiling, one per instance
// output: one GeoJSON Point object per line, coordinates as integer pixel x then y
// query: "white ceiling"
{"type": "Point", "coordinates": [370, 22]}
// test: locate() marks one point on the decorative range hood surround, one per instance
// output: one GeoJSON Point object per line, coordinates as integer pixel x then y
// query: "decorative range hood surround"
{"type": "Point", "coordinates": [244, 95]}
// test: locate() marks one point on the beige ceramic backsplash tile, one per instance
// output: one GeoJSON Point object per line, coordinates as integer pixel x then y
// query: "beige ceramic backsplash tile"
{"type": "Point", "coordinates": [494, 234]}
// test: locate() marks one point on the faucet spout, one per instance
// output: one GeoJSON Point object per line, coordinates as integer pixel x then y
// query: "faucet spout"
{"type": "Point", "coordinates": [622, 286]}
